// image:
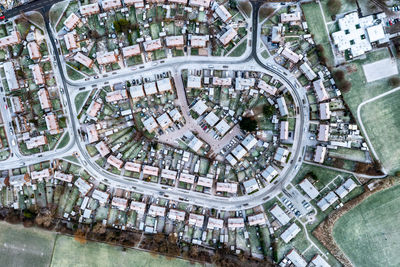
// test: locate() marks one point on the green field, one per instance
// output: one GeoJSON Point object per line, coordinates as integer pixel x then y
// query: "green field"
{"type": "Point", "coordinates": [80, 100]}
{"type": "Point", "coordinates": [316, 26]}
{"type": "Point", "coordinates": [347, 6]}
{"type": "Point", "coordinates": [33, 247]}
{"type": "Point", "coordinates": [21, 246]}
{"type": "Point", "coordinates": [68, 252]}
{"type": "Point", "coordinates": [369, 234]}
{"type": "Point", "coordinates": [382, 123]}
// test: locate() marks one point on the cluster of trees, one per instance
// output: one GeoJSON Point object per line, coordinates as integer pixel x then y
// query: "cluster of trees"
{"type": "Point", "coordinates": [334, 6]}
{"type": "Point", "coordinates": [248, 124]}
{"type": "Point", "coordinates": [123, 25]}
{"type": "Point", "coordinates": [341, 82]}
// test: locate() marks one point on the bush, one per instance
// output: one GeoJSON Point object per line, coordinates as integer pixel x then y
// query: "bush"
{"type": "Point", "coordinates": [339, 77]}
{"type": "Point", "coordinates": [248, 124]}
{"type": "Point", "coordinates": [334, 6]}
{"type": "Point", "coordinates": [268, 111]}
{"type": "Point", "coordinates": [394, 82]}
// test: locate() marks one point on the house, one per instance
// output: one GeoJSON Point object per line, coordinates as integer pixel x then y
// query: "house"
{"type": "Point", "coordinates": [156, 211]}
{"type": "Point", "coordinates": [136, 3]}
{"type": "Point", "coordinates": [150, 124]}
{"type": "Point", "coordinates": [196, 220]}
{"type": "Point", "coordinates": [193, 82]}
{"type": "Point", "coordinates": [37, 74]}
{"type": "Point", "coordinates": [228, 35]}
{"type": "Point", "coordinates": [234, 223]}
{"type": "Point", "coordinates": [116, 96]}
{"type": "Point", "coordinates": [227, 187]}
{"type": "Point", "coordinates": [239, 152]}
{"type": "Point", "coordinates": [269, 173]}
{"type": "Point", "coordinates": [150, 88]}
{"type": "Point", "coordinates": [131, 51]}
{"type": "Point", "coordinates": [323, 133]}
{"type": "Point", "coordinates": [44, 99]}
{"type": "Point", "coordinates": [324, 111]}
{"type": "Point", "coordinates": [84, 60]}
{"type": "Point", "coordinates": [72, 21]}
{"type": "Point", "coordinates": [200, 3]}
{"type": "Point", "coordinates": [318, 261]}
{"type": "Point", "coordinates": [262, 85]}
{"type": "Point", "coordinates": [102, 148]}
{"type": "Point", "coordinates": [217, 81]}
{"type": "Point", "coordinates": [136, 92]}
{"type": "Point", "coordinates": [139, 207]}
{"type": "Point", "coordinates": [249, 142]}
{"type": "Point", "coordinates": [174, 41]}
{"type": "Point", "coordinates": [290, 55]}
{"type": "Point", "coordinates": [63, 176]}
{"type": "Point", "coordinates": [290, 17]}
{"type": "Point", "coordinates": [244, 83]}
{"type": "Point", "coordinates": [152, 45]}
{"type": "Point", "coordinates": [106, 58]}
{"type": "Point", "coordinates": [83, 186]}
{"type": "Point", "coordinates": [119, 203]}
{"type": "Point", "coordinates": [290, 233]}
{"type": "Point", "coordinates": [16, 104]}
{"type": "Point", "coordinates": [309, 189]}
{"type": "Point", "coordinates": [90, 9]}
{"type": "Point", "coordinates": [214, 223]}
{"type": "Point", "coordinates": [37, 141]}
{"type": "Point", "coordinates": [307, 71]}
{"type": "Point", "coordinates": [12, 39]}
{"type": "Point", "coordinates": [296, 259]}
{"type": "Point", "coordinates": [176, 215]}
{"type": "Point", "coordinates": [39, 175]}
{"type": "Point", "coordinates": [199, 41]}
{"type": "Point", "coordinates": [284, 131]}
{"type": "Point", "coordinates": [251, 186]}
{"type": "Point", "coordinates": [114, 161]}
{"type": "Point", "coordinates": [281, 155]}
{"type": "Point", "coordinates": [320, 90]}
{"type": "Point", "coordinates": [19, 180]}
{"type": "Point", "coordinates": [169, 174]}
{"type": "Point", "coordinates": [164, 85]}
{"type": "Point", "coordinates": [221, 12]}
{"type": "Point", "coordinates": [276, 35]}
{"type": "Point", "coordinates": [150, 170]}
{"type": "Point", "coordinates": [10, 76]}
{"type": "Point", "coordinates": [200, 107]}
{"type": "Point", "coordinates": [94, 108]}
{"type": "Point", "coordinates": [100, 196]}
{"type": "Point", "coordinates": [282, 106]}
{"type": "Point", "coordinates": [93, 136]}
{"type": "Point", "coordinates": [111, 4]}
{"type": "Point", "coordinates": [320, 154]}
{"type": "Point", "coordinates": [132, 167]}
{"type": "Point", "coordinates": [323, 204]}
{"type": "Point", "coordinates": [257, 219]}
{"type": "Point", "coordinates": [70, 41]}
{"type": "Point", "coordinates": [280, 215]}
{"type": "Point", "coordinates": [222, 127]}
{"type": "Point", "coordinates": [211, 119]}
{"type": "Point", "coordinates": [186, 178]}
{"type": "Point", "coordinates": [34, 51]}
{"type": "Point", "coordinates": [164, 121]}
{"type": "Point", "coordinates": [182, 2]}
{"type": "Point", "coordinates": [52, 123]}
{"type": "Point", "coordinates": [204, 181]}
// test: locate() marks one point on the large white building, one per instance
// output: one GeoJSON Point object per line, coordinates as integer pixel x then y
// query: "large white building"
{"type": "Point", "coordinates": [356, 34]}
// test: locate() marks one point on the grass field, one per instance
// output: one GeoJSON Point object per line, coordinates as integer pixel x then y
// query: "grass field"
{"type": "Point", "coordinates": [347, 6]}
{"type": "Point", "coordinates": [80, 100]}
{"type": "Point", "coordinates": [68, 252]}
{"type": "Point", "coordinates": [33, 247]}
{"type": "Point", "coordinates": [316, 26]}
{"type": "Point", "coordinates": [369, 234]}
{"type": "Point", "coordinates": [21, 246]}
{"type": "Point", "coordinates": [382, 123]}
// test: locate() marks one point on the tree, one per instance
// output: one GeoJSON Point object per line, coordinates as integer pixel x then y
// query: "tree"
{"type": "Point", "coordinates": [334, 6]}
{"type": "Point", "coordinates": [339, 77]}
{"type": "Point", "coordinates": [248, 124]}
{"type": "Point", "coordinates": [394, 82]}
{"type": "Point", "coordinates": [268, 111]}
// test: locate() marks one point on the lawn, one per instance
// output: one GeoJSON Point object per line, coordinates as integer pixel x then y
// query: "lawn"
{"type": "Point", "coordinates": [239, 50]}
{"type": "Point", "coordinates": [382, 123]}
{"type": "Point", "coordinates": [64, 141]}
{"type": "Point", "coordinates": [80, 100]}
{"type": "Point", "coordinates": [347, 6]}
{"type": "Point", "coordinates": [68, 252]}
{"type": "Point", "coordinates": [21, 246]}
{"type": "Point", "coordinates": [316, 26]}
{"type": "Point", "coordinates": [369, 234]}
